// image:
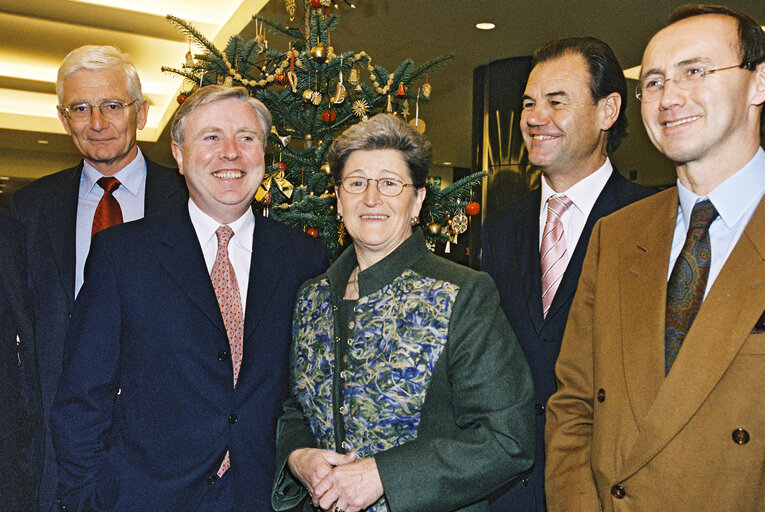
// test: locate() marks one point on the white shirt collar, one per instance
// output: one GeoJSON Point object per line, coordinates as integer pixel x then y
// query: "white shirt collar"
{"type": "Point", "coordinates": [205, 227]}
{"type": "Point", "coordinates": [583, 193]}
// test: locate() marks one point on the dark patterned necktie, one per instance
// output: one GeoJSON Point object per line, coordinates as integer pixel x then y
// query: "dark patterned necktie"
{"type": "Point", "coordinates": [108, 211]}
{"type": "Point", "coordinates": [688, 281]}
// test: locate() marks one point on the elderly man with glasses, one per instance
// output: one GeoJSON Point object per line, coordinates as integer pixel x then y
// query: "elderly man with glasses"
{"type": "Point", "coordinates": [659, 404]}
{"type": "Point", "coordinates": [101, 107]}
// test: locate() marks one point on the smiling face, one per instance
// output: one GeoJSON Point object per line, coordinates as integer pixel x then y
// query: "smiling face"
{"type": "Point", "coordinates": [222, 158]}
{"type": "Point", "coordinates": [107, 145]}
{"type": "Point", "coordinates": [563, 129]}
{"type": "Point", "coordinates": [714, 124]}
{"type": "Point", "coordinates": [377, 223]}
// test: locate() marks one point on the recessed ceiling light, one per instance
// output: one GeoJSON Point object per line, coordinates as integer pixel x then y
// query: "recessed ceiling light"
{"type": "Point", "coordinates": [447, 163]}
{"type": "Point", "coordinates": [485, 26]}
{"type": "Point", "coordinates": [42, 141]}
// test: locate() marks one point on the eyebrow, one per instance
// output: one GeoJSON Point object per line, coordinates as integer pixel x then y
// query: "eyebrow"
{"type": "Point", "coordinates": [246, 129]}
{"type": "Point", "coordinates": [682, 63]}
{"type": "Point", "coordinates": [547, 95]}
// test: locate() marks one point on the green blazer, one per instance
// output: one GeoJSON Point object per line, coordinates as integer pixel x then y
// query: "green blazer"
{"type": "Point", "coordinates": [434, 329]}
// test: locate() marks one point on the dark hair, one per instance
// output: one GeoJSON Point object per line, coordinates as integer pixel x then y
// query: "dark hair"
{"type": "Point", "coordinates": [606, 76]}
{"type": "Point", "coordinates": [750, 34]}
{"type": "Point", "coordinates": [383, 131]}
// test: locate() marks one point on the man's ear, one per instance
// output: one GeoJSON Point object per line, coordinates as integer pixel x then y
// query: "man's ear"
{"type": "Point", "coordinates": [759, 85]}
{"type": "Point", "coordinates": [178, 155]}
{"type": "Point", "coordinates": [64, 121]}
{"type": "Point", "coordinates": [609, 107]}
{"type": "Point", "coordinates": [142, 115]}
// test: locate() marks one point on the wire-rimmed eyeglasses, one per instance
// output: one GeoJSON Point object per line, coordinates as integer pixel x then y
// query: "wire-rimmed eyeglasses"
{"type": "Point", "coordinates": [110, 109]}
{"type": "Point", "coordinates": [649, 87]}
{"type": "Point", "coordinates": [390, 187]}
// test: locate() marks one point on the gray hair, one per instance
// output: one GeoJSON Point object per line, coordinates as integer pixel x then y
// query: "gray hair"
{"type": "Point", "coordinates": [99, 58]}
{"type": "Point", "coordinates": [212, 93]}
{"type": "Point", "coordinates": [384, 131]}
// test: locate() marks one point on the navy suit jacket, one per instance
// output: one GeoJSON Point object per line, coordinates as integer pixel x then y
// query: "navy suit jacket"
{"type": "Point", "coordinates": [47, 208]}
{"type": "Point", "coordinates": [510, 254]}
{"type": "Point", "coordinates": [21, 429]}
{"type": "Point", "coordinates": [146, 409]}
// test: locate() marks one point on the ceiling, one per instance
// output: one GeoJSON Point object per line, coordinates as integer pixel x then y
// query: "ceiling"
{"type": "Point", "coordinates": [35, 35]}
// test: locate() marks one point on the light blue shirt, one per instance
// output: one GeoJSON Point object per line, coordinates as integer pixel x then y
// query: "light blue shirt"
{"type": "Point", "coordinates": [735, 199]}
{"type": "Point", "coordinates": [130, 195]}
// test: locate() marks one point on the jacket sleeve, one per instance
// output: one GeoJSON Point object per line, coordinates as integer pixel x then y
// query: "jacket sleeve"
{"type": "Point", "coordinates": [569, 482]}
{"type": "Point", "coordinates": [81, 416]}
{"type": "Point", "coordinates": [484, 406]}
{"type": "Point", "coordinates": [292, 433]}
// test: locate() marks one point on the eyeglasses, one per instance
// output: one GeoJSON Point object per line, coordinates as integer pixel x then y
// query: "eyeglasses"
{"type": "Point", "coordinates": [110, 109]}
{"type": "Point", "coordinates": [649, 88]}
{"type": "Point", "coordinates": [390, 187]}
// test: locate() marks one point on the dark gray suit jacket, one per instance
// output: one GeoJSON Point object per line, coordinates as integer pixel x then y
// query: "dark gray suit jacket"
{"type": "Point", "coordinates": [47, 208]}
{"type": "Point", "coordinates": [21, 429]}
{"type": "Point", "coordinates": [510, 254]}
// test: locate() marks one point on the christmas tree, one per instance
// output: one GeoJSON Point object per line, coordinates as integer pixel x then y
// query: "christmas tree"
{"type": "Point", "coordinates": [314, 94]}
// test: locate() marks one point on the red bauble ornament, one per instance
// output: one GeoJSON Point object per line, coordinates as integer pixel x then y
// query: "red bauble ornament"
{"type": "Point", "coordinates": [315, 4]}
{"type": "Point", "coordinates": [329, 116]}
{"type": "Point", "coordinates": [313, 232]}
{"type": "Point", "coordinates": [473, 208]}
{"type": "Point", "coordinates": [181, 98]}
{"type": "Point", "coordinates": [281, 165]}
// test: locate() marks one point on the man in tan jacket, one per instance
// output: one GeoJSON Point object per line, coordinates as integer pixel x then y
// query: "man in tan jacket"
{"type": "Point", "coordinates": [661, 377]}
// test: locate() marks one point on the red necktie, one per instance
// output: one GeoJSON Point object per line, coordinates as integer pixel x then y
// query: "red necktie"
{"type": "Point", "coordinates": [108, 211]}
{"type": "Point", "coordinates": [552, 252]}
{"type": "Point", "coordinates": [230, 303]}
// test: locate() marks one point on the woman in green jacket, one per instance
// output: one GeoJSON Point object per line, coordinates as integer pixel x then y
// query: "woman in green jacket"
{"type": "Point", "coordinates": [409, 390]}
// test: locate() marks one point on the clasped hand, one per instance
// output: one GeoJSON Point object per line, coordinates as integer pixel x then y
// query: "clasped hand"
{"type": "Point", "coordinates": [335, 481]}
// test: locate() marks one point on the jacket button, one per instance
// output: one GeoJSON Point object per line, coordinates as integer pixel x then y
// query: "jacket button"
{"type": "Point", "coordinates": [212, 479]}
{"type": "Point", "coordinates": [740, 436]}
{"type": "Point", "coordinates": [525, 482]}
{"type": "Point", "coordinates": [539, 409]}
{"type": "Point", "coordinates": [343, 410]}
{"type": "Point", "coordinates": [618, 492]}
{"type": "Point", "coordinates": [232, 418]}
{"type": "Point", "coordinates": [223, 355]}
{"type": "Point", "coordinates": [601, 395]}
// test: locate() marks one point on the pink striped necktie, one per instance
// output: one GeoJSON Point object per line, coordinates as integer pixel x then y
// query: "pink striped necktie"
{"type": "Point", "coordinates": [230, 303]}
{"type": "Point", "coordinates": [553, 255]}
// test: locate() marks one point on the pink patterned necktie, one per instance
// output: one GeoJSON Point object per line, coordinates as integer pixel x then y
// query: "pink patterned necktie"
{"type": "Point", "coordinates": [553, 256]}
{"type": "Point", "coordinates": [230, 303]}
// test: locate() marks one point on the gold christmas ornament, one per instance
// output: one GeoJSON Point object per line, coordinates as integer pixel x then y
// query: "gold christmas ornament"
{"type": "Point", "coordinates": [360, 107]}
{"type": "Point", "coordinates": [460, 223]}
{"type": "Point", "coordinates": [389, 108]}
{"type": "Point", "coordinates": [331, 52]}
{"type": "Point", "coordinates": [229, 81]}
{"type": "Point", "coordinates": [189, 59]}
{"type": "Point", "coordinates": [308, 95]}
{"type": "Point", "coordinates": [325, 168]}
{"type": "Point", "coordinates": [316, 99]}
{"type": "Point", "coordinates": [430, 245]}
{"type": "Point", "coordinates": [319, 53]}
{"type": "Point", "coordinates": [291, 8]}
{"type": "Point", "coordinates": [292, 78]}
{"type": "Point", "coordinates": [353, 78]}
{"type": "Point", "coordinates": [426, 90]}
{"type": "Point", "coordinates": [434, 228]}
{"type": "Point", "coordinates": [340, 93]}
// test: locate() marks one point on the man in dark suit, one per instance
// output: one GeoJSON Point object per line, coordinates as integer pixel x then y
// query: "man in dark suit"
{"type": "Point", "coordinates": [573, 116]}
{"type": "Point", "coordinates": [21, 428]}
{"type": "Point", "coordinates": [177, 356]}
{"type": "Point", "coordinates": [101, 107]}
{"type": "Point", "coordinates": [660, 403]}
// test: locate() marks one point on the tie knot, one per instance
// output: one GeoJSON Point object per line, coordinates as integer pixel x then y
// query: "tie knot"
{"type": "Point", "coordinates": [703, 214]}
{"type": "Point", "coordinates": [559, 204]}
{"type": "Point", "coordinates": [224, 234]}
{"type": "Point", "coordinates": [109, 183]}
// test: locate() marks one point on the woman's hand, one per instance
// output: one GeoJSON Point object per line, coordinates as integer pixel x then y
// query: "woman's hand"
{"type": "Point", "coordinates": [311, 466]}
{"type": "Point", "coordinates": [350, 487]}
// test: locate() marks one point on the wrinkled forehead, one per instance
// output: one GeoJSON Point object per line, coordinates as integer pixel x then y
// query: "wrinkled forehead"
{"type": "Point", "coordinates": [710, 38]}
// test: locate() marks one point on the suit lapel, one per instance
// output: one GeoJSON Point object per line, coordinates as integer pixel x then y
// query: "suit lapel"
{"type": "Point", "coordinates": [528, 240]}
{"type": "Point", "coordinates": [264, 275]}
{"type": "Point", "coordinates": [643, 280]}
{"type": "Point", "coordinates": [712, 343]}
{"type": "Point", "coordinates": [61, 221]}
{"type": "Point", "coordinates": [178, 251]}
